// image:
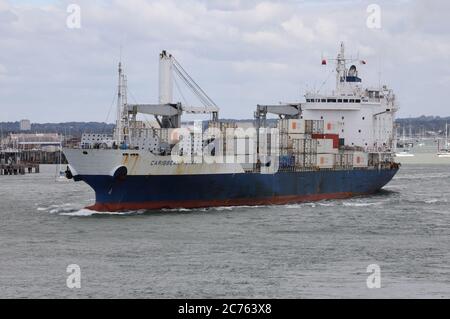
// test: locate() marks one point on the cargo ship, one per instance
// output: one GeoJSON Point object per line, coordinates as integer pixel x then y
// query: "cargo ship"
{"type": "Point", "coordinates": [331, 146]}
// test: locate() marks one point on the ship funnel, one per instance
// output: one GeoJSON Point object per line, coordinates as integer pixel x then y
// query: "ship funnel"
{"type": "Point", "coordinates": [165, 78]}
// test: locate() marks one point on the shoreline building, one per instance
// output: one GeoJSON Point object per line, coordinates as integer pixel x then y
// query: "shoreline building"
{"type": "Point", "coordinates": [34, 147]}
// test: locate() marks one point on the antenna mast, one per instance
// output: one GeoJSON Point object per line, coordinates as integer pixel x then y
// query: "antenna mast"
{"type": "Point", "coordinates": [122, 116]}
{"type": "Point", "coordinates": [340, 66]}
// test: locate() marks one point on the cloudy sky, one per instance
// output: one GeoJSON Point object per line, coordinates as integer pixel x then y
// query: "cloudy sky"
{"type": "Point", "coordinates": [242, 52]}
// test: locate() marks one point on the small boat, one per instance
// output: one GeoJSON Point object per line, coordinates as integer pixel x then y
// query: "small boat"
{"type": "Point", "coordinates": [404, 153]}
{"type": "Point", "coordinates": [444, 152]}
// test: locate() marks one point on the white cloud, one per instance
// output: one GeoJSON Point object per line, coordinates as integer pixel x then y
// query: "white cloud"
{"type": "Point", "coordinates": [260, 68]}
{"type": "Point", "coordinates": [297, 28]}
{"type": "Point", "coordinates": [3, 72]}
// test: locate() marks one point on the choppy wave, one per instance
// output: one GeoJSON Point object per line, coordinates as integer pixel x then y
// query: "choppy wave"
{"type": "Point", "coordinates": [69, 209]}
{"type": "Point", "coordinates": [424, 176]}
{"type": "Point", "coordinates": [300, 205]}
{"type": "Point", "coordinates": [84, 212]}
{"type": "Point", "coordinates": [219, 208]}
{"type": "Point", "coordinates": [361, 204]}
{"type": "Point", "coordinates": [58, 208]}
{"type": "Point", "coordinates": [328, 204]}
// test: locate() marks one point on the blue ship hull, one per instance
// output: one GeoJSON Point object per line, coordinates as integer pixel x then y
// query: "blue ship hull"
{"type": "Point", "coordinates": [192, 191]}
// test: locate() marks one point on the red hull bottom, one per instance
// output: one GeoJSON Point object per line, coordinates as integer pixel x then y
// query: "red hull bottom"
{"type": "Point", "coordinates": [155, 205]}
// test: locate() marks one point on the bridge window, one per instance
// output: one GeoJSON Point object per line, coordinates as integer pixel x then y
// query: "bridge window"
{"type": "Point", "coordinates": [339, 100]}
{"type": "Point", "coordinates": [345, 101]}
{"type": "Point", "coordinates": [324, 101]}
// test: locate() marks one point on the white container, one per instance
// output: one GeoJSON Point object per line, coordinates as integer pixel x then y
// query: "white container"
{"type": "Point", "coordinates": [326, 146]}
{"type": "Point", "coordinates": [333, 127]}
{"type": "Point", "coordinates": [297, 136]}
{"type": "Point", "coordinates": [292, 126]}
{"type": "Point", "coordinates": [300, 160]}
{"type": "Point", "coordinates": [344, 160]}
{"type": "Point", "coordinates": [299, 146]}
{"type": "Point", "coordinates": [243, 146]}
{"type": "Point", "coordinates": [325, 160]}
{"type": "Point", "coordinates": [360, 159]}
{"type": "Point", "coordinates": [314, 126]}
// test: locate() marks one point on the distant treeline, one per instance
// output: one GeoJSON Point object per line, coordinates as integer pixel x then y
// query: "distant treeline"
{"type": "Point", "coordinates": [66, 129]}
{"type": "Point", "coordinates": [427, 123]}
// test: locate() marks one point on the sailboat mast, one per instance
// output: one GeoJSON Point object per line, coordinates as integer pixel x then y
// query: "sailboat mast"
{"type": "Point", "coordinates": [446, 135]}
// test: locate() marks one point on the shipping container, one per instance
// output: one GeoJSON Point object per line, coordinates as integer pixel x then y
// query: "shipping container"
{"type": "Point", "coordinates": [310, 160]}
{"type": "Point", "coordinates": [310, 146]}
{"type": "Point", "coordinates": [265, 145]}
{"type": "Point", "coordinates": [333, 137]}
{"type": "Point", "coordinates": [287, 161]}
{"type": "Point", "coordinates": [360, 159]}
{"type": "Point", "coordinates": [291, 126]}
{"type": "Point", "coordinates": [304, 146]}
{"type": "Point", "coordinates": [305, 160]}
{"type": "Point", "coordinates": [243, 158]}
{"type": "Point", "coordinates": [374, 159]}
{"type": "Point", "coordinates": [314, 126]}
{"type": "Point", "coordinates": [325, 160]}
{"type": "Point", "coordinates": [240, 146]}
{"type": "Point", "coordinates": [300, 160]}
{"type": "Point", "coordinates": [344, 160]}
{"type": "Point", "coordinates": [288, 140]}
{"type": "Point", "coordinates": [333, 127]}
{"type": "Point", "coordinates": [326, 146]}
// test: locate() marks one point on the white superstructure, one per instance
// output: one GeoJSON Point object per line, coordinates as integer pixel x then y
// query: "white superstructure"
{"type": "Point", "coordinates": [366, 115]}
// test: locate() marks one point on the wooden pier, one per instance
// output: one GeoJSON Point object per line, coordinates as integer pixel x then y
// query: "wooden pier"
{"type": "Point", "coordinates": [18, 169]}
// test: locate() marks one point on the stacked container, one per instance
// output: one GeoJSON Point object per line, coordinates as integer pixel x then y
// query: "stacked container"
{"type": "Point", "coordinates": [325, 160]}
{"type": "Point", "coordinates": [314, 126]}
{"type": "Point", "coordinates": [343, 160]}
{"type": "Point", "coordinates": [290, 130]}
{"type": "Point", "coordinates": [333, 127]}
{"type": "Point", "coordinates": [360, 159]}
